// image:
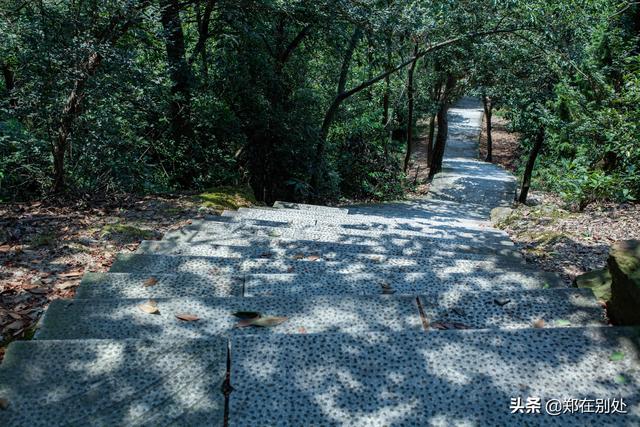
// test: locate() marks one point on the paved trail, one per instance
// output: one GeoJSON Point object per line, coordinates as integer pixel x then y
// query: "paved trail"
{"type": "Point", "coordinates": [412, 313]}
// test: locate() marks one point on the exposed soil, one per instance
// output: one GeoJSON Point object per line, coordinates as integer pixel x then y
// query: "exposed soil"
{"type": "Point", "coordinates": [45, 250]}
{"type": "Point", "coordinates": [552, 235]}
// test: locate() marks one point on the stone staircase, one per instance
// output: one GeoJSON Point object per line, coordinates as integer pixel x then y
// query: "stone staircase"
{"type": "Point", "coordinates": [411, 313]}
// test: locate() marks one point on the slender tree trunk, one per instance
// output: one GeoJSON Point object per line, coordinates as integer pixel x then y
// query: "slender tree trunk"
{"type": "Point", "coordinates": [443, 128]}
{"type": "Point", "coordinates": [410, 108]}
{"type": "Point", "coordinates": [9, 83]}
{"type": "Point", "coordinates": [387, 88]}
{"type": "Point", "coordinates": [179, 73]}
{"type": "Point", "coordinates": [488, 112]}
{"type": "Point", "coordinates": [432, 132]}
{"type": "Point", "coordinates": [528, 170]}
{"type": "Point", "coordinates": [333, 109]}
{"type": "Point", "coordinates": [117, 27]}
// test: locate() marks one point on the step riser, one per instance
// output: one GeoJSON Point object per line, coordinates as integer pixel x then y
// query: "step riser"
{"type": "Point", "coordinates": [122, 319]}
{"type": "Point", "coordinates": [312, 208]}
{"type": "Point", "coordinates": [268, 249]}
{"type": "Point", "coordinates": [190, 234]}
{"type": "Point", "coordinates": [150, 264]}
{"type": "Point", "coordinates": [123, 285]}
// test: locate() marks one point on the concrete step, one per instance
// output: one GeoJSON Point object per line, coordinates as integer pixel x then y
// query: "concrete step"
{"type": "Point", "coordinates": [434, 284]}
{"type": "Point", "coordinates": [254, 248]}
{"type": "Point", "coordinates": [384, 221]}
{"type": "Point", "coordinates": [161, 264]}
{"type": "Point", "coordinates": [114, 383]}
{"type": "Point", "coordinates": [123, 318]}
{"type": "Point", "coordinates": [126, 285]}
{"type": "Point", "coordinates": [451, 378]}
{"type": "Point", "coordinates": [311, 208]}
{"type": "Point", "coordinates": [207, 232]}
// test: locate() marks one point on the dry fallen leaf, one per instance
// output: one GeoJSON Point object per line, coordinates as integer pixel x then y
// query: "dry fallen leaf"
{"type": "Point", "coordinates": [538, 323]}
{"type": "Point", "coordinates": [298, 256]}
{"type": "Point", "coordinates": [67, 285]}
{"type": "Point", "coordinates": [76, 273]}
{"type": "Point", "coordinates": [38, 291]}
{"type": "Point", "coordinates": [151, 281]}
{"type": "Point", "coordinates": [14, 326]}
{"type": "Point", "coordinates": [150, 307]}
{"type": "Point", "coordinates": [262, 321]}
{"type": "Point", "coordinates": [187, 317]}
{"type": "Point", "coordinates": [313, 258]}
{"type": "Point", "coordinates": [246, 314]}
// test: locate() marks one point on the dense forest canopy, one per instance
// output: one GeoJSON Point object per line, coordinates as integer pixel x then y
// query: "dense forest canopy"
{"type": "Point", "coordinates": [309, 100]}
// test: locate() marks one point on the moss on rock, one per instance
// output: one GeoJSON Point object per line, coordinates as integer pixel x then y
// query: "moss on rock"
{"type": "Point", "coordinates": [624, 265]}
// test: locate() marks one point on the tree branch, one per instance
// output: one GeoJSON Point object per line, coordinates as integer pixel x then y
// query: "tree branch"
{"type": "Point", "coordinates": [203, 31]}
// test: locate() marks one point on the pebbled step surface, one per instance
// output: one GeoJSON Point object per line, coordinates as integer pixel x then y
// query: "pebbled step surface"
{"type": "Point", "coordinates": [162, 264]}
{"type": "Point", "coordinates": [434, 284]}
{"type": "Point", "coordinates": [462, 378]}
{"type": "Point", "coordinates": [313, 208]}
{"type": "Point", "coordinates": [114, 383]}
{"type": "Point", "coordinates": [131, 285]}
{"type": "Point", "coordinates": [326, 251]}
{"type": "Point", "coordinates": [118, 319]}
{"type": "Point", "coordinates": [479, 242]}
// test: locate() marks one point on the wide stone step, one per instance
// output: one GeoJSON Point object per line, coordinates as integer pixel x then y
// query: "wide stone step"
{"type": "Point", "coordinates": [434, 284]}
{"type": "Point", "coordinates": [254, 248]}
{"type": "Point", "coordinates": [310, 208]}
{"type": "Point", "coordinates": [80, 319]}
{"type": "Point", "coordinates": [209, 232]}
{"type": "Point", "coordinates": [159, 264]}
{"type": "Point", "coordinates": [461, 378]}
{"type": "Point", "coordinates": [380, 222]}
{"type": "Point", "coordinates": [452, 377]}
{"type": "Point", "coordinates": [114, 383]}
{"type": "Point", "coordinates": [123, 318]}
{"type": "Point", "coordinates": [126, 285]}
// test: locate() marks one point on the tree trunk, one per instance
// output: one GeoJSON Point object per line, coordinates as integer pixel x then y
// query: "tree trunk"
{"type": "Point", "coordinates": [432, 132]}
{"type": "Point", "coordinates": [410, 108]}
{"type": "Point", "coordinates": [181, 78]}
{"type": "Point", "coordinates": [117, 27]}
{"type": "Point", "coordinates": [528, 170]}
{"type": "Point", "coordinates": [443, 128]}
{"type": "Point", "coordinates": [488, 112]}
{"type": "Point", "coordinates": [9, 83]}
{"type": "Point", "coordinates": [387, 88]}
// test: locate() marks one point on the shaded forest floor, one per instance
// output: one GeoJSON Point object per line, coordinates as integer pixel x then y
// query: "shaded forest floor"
{"type": "Point", "coordinates": [46, 249]}
{"type": "Point", "coordinates": [551, 234]}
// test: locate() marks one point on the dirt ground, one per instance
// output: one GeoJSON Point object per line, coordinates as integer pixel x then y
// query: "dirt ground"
{"type": "Point", "coordinates": [46, 249]}
{"type": "Point", "coordinates": [552, 235]}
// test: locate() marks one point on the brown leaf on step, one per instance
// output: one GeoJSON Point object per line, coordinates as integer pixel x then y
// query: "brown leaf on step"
{"type": "Point", "coordinates": [14, 326]}
{"type": "Point", "coordinates": [262, 321]}
{"type": "Point", "coordinates": [302, 330]}
{"type": "Point", "coordinates": [187, 317]}
{"type": "Point", "coordinates": [438, 325]}
{"type": "Point", "coordinates": [66, 285]}
{"type": "Point", "coordinates": [387, 289]}
{"type": "Point", "coordinates": [313, 257]}
{"type": "Point", "coordinates": [290, 270]}
{"type": "Point", "coordinates": [4, 403]}
{"type": "Point", "coordinates": [298, 256]}
{"type": "Point", "coordinates": [151, 281]}
{"type": "Point", "coordinates": [38, 291]}
{"type": "Point", "coordinates": [150, 307]}
{"type": "Point", "coordinates": [14, 315]}
{"type": "Point", "coordinates": [76, 273]}
{"type": "Point", "coordinates": [266, 255]}
{"type": "Point", "coordinates": [460, 326]}
{"type": "Point", "coordinates": [538, 323]}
